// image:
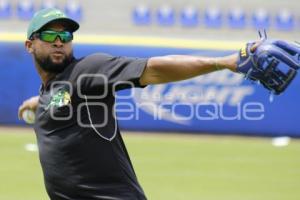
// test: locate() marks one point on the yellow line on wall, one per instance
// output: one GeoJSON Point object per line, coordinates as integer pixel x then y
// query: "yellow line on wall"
{"type": "Point", "coordinates": [139, 41]}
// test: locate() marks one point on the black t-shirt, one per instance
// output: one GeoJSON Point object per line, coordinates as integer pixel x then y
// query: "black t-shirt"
{"type": "Point", "coordinates": [81, 151]}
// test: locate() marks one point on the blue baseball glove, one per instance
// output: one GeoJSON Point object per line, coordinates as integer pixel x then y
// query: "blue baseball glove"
{"type": "Point", "coordinates": [273, 63]}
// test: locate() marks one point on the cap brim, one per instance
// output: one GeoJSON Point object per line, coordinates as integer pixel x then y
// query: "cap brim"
{"type": "Point", "coordinates": [70, 24]}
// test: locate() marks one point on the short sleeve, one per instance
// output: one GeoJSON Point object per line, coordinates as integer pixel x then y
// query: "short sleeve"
{"type": "Point", "coordinates": [99, 70]}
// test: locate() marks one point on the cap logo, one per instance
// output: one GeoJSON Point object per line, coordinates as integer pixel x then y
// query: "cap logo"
{"type": "Point", "coordinates": [54, 13]}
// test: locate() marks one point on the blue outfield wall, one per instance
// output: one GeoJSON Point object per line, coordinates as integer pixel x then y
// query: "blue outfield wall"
{"type": "Point", "coordinates": [220, 102]}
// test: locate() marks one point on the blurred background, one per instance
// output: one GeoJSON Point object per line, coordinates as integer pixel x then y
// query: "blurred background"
{"type": "Point", "coordinates": [214, 19]}
{"type": "Point", "coordinates": [214, 137]}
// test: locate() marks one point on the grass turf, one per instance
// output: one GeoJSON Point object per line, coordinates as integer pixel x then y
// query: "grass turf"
{"type": "Point", "coordinates": [174, 167]}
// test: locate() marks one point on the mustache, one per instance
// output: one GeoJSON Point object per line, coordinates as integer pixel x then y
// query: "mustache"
{"type": "Point", "coordinates": [46, 63]}
{"type": "Point", "coordinates": [58, 51]}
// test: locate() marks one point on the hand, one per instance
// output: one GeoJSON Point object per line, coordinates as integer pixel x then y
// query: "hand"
{"type": "Point", "coordinates": [263, 61]}
{"type": "Point", "coordinates": [30, 103]}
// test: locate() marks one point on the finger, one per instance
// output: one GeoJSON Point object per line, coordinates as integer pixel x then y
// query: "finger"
{"type": "Point", "coordinates": [20, 111]}
{"type": "Point", "coordinates": [254, 46]}
{"type": "Point", "coordinates": [25, 105]}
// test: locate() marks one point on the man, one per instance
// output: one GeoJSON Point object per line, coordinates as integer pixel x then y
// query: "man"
{"type": "Point", "coordinates": [82, 153]}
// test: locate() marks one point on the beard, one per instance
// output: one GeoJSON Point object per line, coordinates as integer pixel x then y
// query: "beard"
{"type": "Point", "coordinates": [47, 64]}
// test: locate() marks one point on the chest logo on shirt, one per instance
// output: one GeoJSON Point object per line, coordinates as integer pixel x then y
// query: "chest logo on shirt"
{"type": "Point", "coordinates": [60, 98]}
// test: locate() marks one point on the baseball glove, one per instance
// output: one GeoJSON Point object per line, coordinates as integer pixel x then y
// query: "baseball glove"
{"type": "Point", "coordinates": [273, 63]}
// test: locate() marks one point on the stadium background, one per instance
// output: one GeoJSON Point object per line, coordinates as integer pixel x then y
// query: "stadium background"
{"type": "Point", "coordinates": [204, 165]}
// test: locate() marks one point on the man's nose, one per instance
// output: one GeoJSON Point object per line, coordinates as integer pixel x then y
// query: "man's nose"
{"type": "Point", "coordinates": [58, 42]}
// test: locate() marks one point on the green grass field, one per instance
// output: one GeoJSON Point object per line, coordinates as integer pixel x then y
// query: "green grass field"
{"type": "Point", "coordinates": [174, 167]}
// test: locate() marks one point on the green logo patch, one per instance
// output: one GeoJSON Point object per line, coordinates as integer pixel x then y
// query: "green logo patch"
{"type": "Point", "coordinates": [59, 99]}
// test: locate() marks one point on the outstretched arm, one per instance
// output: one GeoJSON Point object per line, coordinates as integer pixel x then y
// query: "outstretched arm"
{"type": "Point", "coordinates": [171, 68]}
{"type": "Point", "coordinates": [167, 69]}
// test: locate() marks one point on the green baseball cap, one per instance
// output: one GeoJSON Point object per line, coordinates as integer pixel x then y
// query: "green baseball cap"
{"type": "Point", "coordinates": [47, 15]}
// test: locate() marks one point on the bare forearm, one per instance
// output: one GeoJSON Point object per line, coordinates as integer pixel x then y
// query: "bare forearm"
{"type": "Point", "coordinates": [180, 67]}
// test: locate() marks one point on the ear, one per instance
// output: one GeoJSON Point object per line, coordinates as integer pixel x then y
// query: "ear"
{"type": "Point", "coordinates": [29, 46]}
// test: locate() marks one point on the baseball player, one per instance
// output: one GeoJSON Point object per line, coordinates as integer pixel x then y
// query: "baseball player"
{"type": "Point", "coordinates": [82, 153]}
